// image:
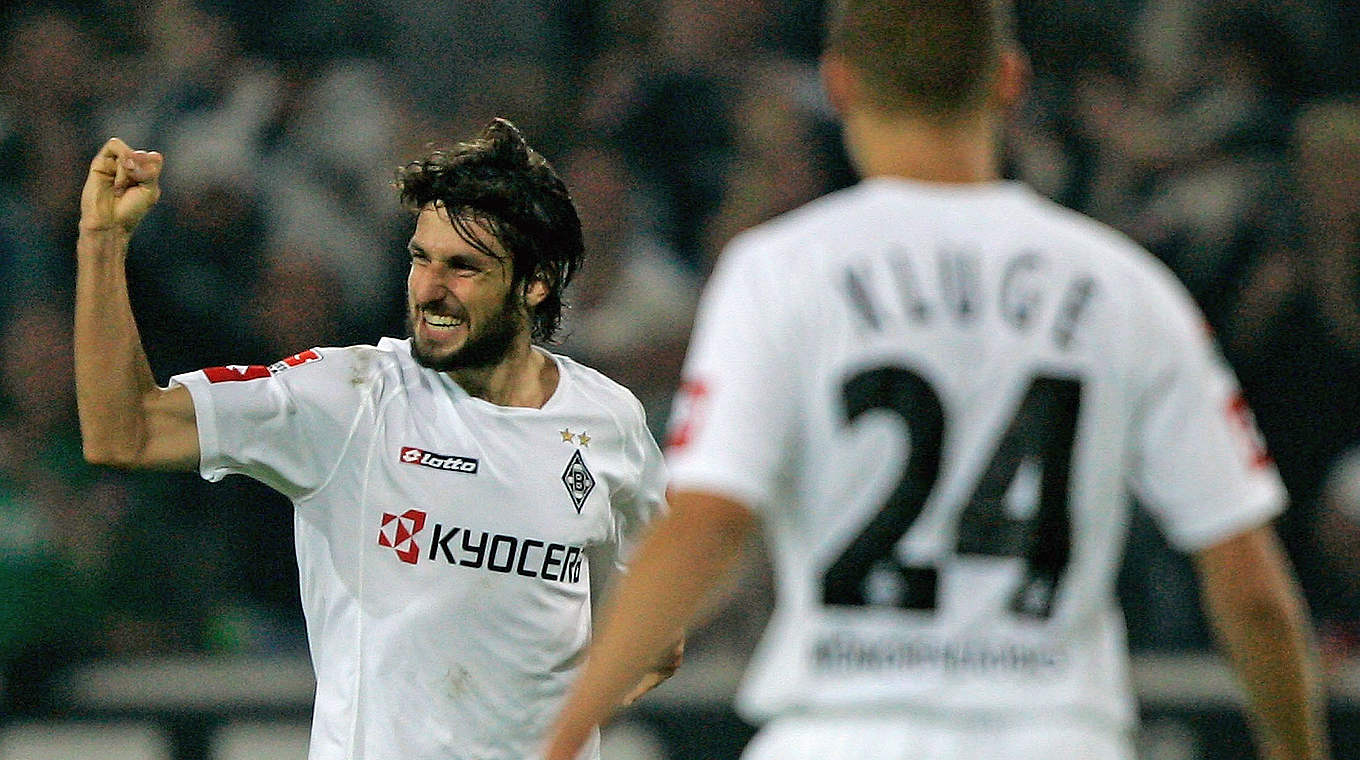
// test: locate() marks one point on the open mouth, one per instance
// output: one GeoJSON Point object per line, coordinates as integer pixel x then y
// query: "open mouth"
{"type": "Point", "coordinates": [441, 322]}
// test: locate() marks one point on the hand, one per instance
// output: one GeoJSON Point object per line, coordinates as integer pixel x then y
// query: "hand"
{"type": "Point", "coordinates": [654, 678]}
{"type": "Point", "coordinates": [123, 184]}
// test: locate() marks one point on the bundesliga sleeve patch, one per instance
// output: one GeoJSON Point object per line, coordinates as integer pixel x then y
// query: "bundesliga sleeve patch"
{"type": "Point", "coordinates": [687, 413]}
{"type": "Point", "coordinates": [296, 360]}
{"type": "Point", "coordinates": [1249, 438]}
{"type": "Point", "coordinates": [233, 373]}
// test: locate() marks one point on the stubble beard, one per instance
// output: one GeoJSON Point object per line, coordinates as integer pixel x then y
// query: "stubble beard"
{"type": "Point", "coordinates": [483, 349]}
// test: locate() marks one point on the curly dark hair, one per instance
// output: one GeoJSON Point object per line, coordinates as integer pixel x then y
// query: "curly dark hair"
{"type": "Point", "coordinates": [498, 182]}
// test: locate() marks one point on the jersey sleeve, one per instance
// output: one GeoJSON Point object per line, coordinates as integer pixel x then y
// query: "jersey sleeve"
{"type": "Point", "coordinates": [736, 410]}
{"type": "Point", "coordinates": [1200, 465]}
{"type": "Point", "coordinates": [283, 424]}
{"type": "Point", "coordinates": [634, 507]}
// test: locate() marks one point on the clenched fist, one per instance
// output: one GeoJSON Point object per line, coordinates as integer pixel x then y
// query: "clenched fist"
{"type": "Point", "coordinates": [122, 186]}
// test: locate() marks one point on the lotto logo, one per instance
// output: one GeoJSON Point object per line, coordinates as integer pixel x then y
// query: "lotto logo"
{"type": "Point", "coordinates": [399, 534]}
{"type": "Point", "coordinates": [446, 462]}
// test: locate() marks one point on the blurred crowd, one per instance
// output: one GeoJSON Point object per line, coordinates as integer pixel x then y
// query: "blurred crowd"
{"type": "Point", "coordinates": [1222, 134]}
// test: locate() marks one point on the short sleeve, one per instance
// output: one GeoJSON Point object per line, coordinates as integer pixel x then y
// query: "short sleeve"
{"type": "Point", "coordinates": [1200, 465]}
{"type": "Point", "coordinates": [283, 424]}
{"type": "Point", "coordinates": [635, 506]}
{"type": "Point", "coordinates": [736, 409]}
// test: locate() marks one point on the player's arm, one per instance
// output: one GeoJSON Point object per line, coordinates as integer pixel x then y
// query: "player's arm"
{"type": "Point", "coordinates": [669, 663]}
{"type": "Point", "coordinates": [669, 577]}
{"type": "Point", "coordinates": [125, 419]}
{"type": "Point", "coordinates": [1257, 612]}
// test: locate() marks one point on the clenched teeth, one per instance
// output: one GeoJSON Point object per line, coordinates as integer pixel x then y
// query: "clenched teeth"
{"type": "Point", "coordinates": [436, 320]}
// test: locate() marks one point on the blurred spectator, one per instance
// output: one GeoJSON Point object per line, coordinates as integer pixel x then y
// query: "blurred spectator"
{"type": "Point", "coordinates": [785, 151]}
{"type": "Point", "coordinates": [1295, 331]}
{"type": "Point", "coordinates": [1337, 536]}
{"type": "Point", "coordinates": [672, 110]}
{"type": "Point", "coordinates": [632, 303]}
{"type": "Point", "coordinates": [1186, 151]}
{"type": "Point", "coordinates": [193, 84]}
{"type": "Point", "coordinates": [55, 514]}
{"type": "Point", "coordinates": [333, 153]}
{"type": "Point", "coordinates": [46, 99]}
{"type": "Point", "coordinates": [80, 545]}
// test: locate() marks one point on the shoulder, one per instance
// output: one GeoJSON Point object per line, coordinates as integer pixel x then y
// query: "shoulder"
{"type": "Point", "coordinates": [350, 362]}
{"type": "Point", "coordinates": [597, 389]}
{"type": "Point", "coordinates": [332, 374]}
{"type": "Point", "coordinates": [809, 227]}
{"type": "Point", "coordinates": [1121, 265]}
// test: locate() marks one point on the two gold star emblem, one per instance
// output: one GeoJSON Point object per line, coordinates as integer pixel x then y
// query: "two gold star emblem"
{"type": "Point", "coordinates": [568, 436]}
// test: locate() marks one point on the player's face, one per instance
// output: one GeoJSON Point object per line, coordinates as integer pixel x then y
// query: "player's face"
{"type": "Point", "coordinates": [462, 310]}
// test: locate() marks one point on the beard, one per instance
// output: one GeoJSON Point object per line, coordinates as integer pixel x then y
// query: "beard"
{"type": "Point", "coordinates": [483, 348]}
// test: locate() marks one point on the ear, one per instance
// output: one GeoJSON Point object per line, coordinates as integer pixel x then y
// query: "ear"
{"type": "Point", "coordinates": [1013, 76]}
{"type": "Point", "coordinates": [535, 291]}
{"type": "Point", "coordinates": [839, 81]}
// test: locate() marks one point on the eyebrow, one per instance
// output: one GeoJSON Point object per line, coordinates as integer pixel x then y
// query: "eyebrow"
{"type": "Point", "coordinates": [464, 259]}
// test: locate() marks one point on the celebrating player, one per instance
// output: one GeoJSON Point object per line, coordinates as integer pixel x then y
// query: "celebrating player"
{"type": "Point", "coordinates": [936, 389]}
{"type": "Point", "coordinates": [460, 496]}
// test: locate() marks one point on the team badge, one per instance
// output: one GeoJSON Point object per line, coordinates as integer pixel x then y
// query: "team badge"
{"type": "Point", "coordinates": [578, 480]}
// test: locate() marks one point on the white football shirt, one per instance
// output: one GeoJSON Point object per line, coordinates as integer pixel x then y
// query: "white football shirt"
{"type": "Point", "coordinates": [939, 398]}
{"type": "Point", "coordinates": [447, 546]}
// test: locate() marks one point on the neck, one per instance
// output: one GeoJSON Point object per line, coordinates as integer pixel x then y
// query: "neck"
{"type": "Point", "coordinates": [524, 377]}
{"type": "Point", "coordinates": [894, 145]}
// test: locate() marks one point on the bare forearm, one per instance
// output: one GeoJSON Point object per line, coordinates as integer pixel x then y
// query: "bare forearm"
{"type": "Point", "coordinates": [113, 376]}
{"type": "Point", "coordinates": [1258, 613]}
{"type": "Point", "coordinates": [1274, 656]}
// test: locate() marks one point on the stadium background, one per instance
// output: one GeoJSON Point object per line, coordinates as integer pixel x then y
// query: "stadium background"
{"type": "Point", "coordinates": [158, 611]}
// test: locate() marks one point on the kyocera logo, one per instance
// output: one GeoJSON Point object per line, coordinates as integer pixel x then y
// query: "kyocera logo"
{"type": "Point", "coordinates": [399, 533]}
{"type": "Point", "coordinates": [457, 546]}
{"type": "Point", "coordinates": [413, 455]}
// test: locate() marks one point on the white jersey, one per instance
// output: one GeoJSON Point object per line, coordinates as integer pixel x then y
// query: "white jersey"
{"type": "Point", "coordinates": [939, 399]}
{"type": "Point", "coordinates": [447, 546]}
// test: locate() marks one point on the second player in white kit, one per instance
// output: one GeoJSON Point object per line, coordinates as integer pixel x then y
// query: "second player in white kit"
{"type": "Point", "coordinates": [941, 449]}
{"type": "Point", "coordinates": [937, 393]}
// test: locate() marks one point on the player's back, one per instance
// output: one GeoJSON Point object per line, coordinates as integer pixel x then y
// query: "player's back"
{"type": "Point", "coordinates": [960, 407]}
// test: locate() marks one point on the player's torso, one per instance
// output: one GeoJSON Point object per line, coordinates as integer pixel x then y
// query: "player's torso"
{"type": "Point", "coordinates": [959, 500]}
{"type": "Point", "coordinates": [445, 569]}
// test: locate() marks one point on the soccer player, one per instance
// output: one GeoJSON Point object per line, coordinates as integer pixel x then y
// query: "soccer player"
{"type": "Point", "coordinates": [935, 389]}
{"type": "Point", "coordinates": [460, 496]}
